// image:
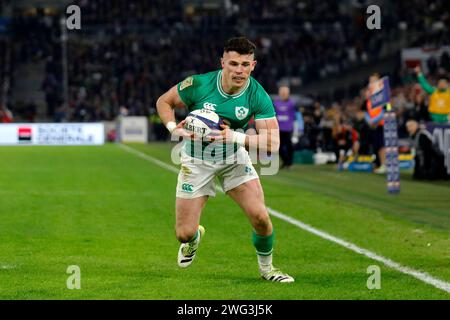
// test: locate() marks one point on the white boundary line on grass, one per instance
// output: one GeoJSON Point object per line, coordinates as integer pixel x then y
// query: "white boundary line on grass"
{"type": "Point", "coordinates": [7, 267]}
{"type": "Point", "coordinates": [422, 276]}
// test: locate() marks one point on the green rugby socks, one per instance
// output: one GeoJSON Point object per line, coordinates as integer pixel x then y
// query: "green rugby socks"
{"type": "Point", "coordinates": [264, 248]}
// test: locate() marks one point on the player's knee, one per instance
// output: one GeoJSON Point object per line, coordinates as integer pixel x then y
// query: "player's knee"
{"type": "Point", "coordinates": [261, 220]}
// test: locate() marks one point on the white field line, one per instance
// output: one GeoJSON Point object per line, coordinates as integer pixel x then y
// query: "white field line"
{"type": "Point", "coordinates": [149, 158]}
{"type": "Point", "coordinates": [422, 276]}
{"type": "Point", "coordinates": [7, 267]}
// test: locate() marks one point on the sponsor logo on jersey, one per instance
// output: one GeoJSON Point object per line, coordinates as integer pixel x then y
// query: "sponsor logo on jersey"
{"type": "Point", "coordinates": [241, 112]}
{"type": "Point", "coordinates": [209, 106]}
{"type": "Point", "coordinates": [186, 83]}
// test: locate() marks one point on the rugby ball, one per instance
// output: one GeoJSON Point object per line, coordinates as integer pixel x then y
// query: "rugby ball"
{"type": "Point", "coordinates": [202, 122]}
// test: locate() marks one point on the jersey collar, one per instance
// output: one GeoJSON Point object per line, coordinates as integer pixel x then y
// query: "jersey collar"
{"type": "Point", "coordinates": [226, 95]}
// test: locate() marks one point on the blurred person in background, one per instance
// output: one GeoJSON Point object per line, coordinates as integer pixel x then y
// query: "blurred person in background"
{"type": "Point", "coordinates": [308, 138]}
{"type": "Point", "coordinates": [419, 112]}
{"type": "Point", "coordinates": [325, 136]}
{"type": "Point", "coordinates": [318, 112]}
{"type": "Point", "coordinates": [429, 160]}
{"type": "Point", "coordinates": [375, 119]}
{"type": "Point", "coordinates": [6, 115]}
{"type": "Point", "coordinates": [123, 112]}
{"type": "Point", "coordinates": [362, 128]}
{"type": "Point", "coordinates": [61, 112]}
{"type": "Point", "coordinates": [51, 87]}
{"type": "Point", "coordinates": [345, 139]}
{"type": "Point", "coordinates": [439, 103]}
{"type": "Point", "coordinates": [401, 115]}
{"type": "Point", "coordinates": [286, 115]}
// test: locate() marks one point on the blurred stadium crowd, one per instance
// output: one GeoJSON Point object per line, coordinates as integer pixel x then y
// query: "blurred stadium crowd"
{"type": "Point", "coordinates": [129, 52]}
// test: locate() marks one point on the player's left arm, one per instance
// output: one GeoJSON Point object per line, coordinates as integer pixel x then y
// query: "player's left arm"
{"type": "Point", "coordinates": [266, 124]}
{"type": "Point", "coordinates": [267, 139]}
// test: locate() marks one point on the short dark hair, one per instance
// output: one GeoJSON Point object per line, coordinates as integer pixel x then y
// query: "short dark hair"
{"type": "Point", "coordinates": [241, 45]}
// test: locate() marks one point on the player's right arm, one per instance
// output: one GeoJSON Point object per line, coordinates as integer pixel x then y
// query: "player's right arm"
{"type": "Point", "coordinates": [165, 106]}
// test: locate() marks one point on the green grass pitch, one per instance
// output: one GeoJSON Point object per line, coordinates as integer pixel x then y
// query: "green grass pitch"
{"type": "Point", "coordinates": [112, 214]}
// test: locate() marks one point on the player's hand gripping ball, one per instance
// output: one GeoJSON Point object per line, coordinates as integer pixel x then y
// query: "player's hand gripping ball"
{"type": "Point", "coordinates": [203, 123]}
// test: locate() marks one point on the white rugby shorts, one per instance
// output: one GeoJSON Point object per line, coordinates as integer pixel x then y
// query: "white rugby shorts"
{"type": "Point", "coordinates": [197, 177]}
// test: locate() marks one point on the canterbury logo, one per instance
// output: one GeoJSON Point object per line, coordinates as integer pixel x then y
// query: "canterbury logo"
{"type": "Point", "coordinates": [209, 106]}
{"type": "Point", "coordinates": [187, 187]}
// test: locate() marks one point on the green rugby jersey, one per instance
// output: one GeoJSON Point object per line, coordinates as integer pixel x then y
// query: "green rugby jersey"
{"type": "Point", "coordinates": [204, 91]}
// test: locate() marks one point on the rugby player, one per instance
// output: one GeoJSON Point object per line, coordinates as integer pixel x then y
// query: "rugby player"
{"type": "Point", "coordinates": [236, 97]}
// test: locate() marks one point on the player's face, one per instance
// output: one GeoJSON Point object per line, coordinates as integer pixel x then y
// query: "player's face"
{"type": "Point", "coordinates": [237, 68]}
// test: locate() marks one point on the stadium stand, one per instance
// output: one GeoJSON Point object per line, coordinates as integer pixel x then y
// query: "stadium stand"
{"type": "Point", "coordinates": [116, 62]}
